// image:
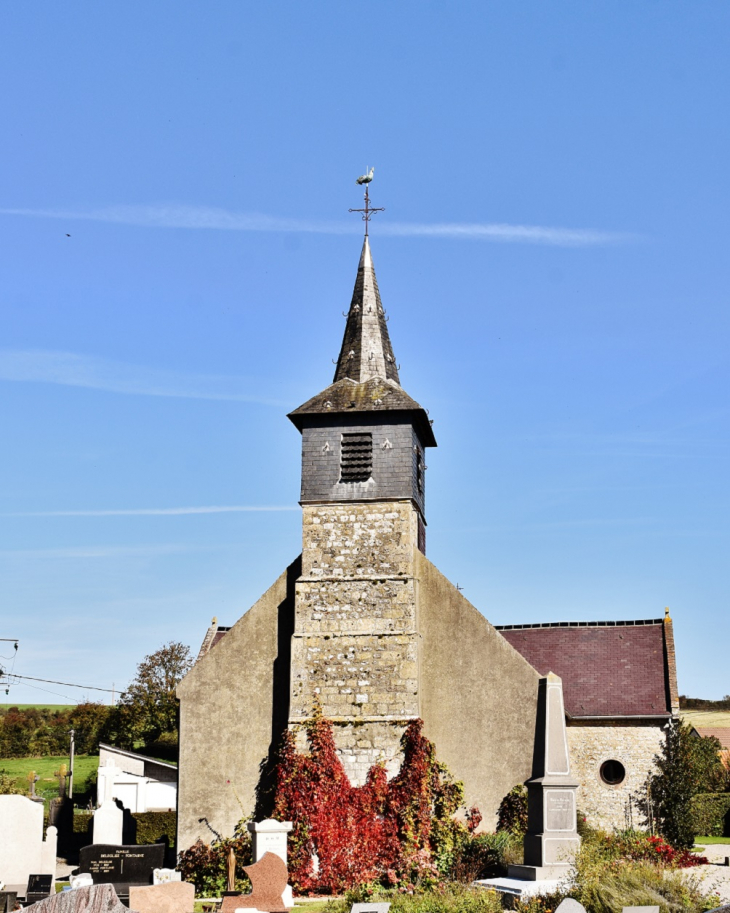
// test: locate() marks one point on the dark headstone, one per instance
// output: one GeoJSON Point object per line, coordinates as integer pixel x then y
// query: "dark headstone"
{"type": "Point", "coordinates": [121, 865]}
{"type": "Point", "coordinates": [39, 887]}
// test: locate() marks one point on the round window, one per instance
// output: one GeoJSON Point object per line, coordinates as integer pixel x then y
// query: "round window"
{"type": "Point", "coordinates": [613, 772]}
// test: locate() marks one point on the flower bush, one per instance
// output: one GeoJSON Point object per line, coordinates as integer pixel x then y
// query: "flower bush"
{"type": "Point", "coordinates": [206, 865]}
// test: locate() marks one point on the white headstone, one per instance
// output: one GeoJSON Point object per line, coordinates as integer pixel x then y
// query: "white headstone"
{"type": "Point", "coordinates": [108, 823]}
{"type": "Point", "coordinates": [269, 836]}
{"type": "Point", "coordinates": [22, 850]}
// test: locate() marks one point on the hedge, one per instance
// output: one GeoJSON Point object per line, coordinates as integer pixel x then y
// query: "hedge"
{"type": "Point", "coordinates": [711, 814]}
{"type": "Point", "coordinates": [152, 827]}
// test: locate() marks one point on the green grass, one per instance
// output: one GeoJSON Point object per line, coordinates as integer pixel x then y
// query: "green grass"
{"type": "Point", "coordinates": [705, 841]}
{"type": "Point", "coordinates": [47, 786]}
{"type": "Point", "coordinates": [38, 706]}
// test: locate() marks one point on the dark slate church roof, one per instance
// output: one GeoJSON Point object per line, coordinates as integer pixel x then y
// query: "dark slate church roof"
{"type": "Point", "coordinates": [366, 378]}
{"type": "Point", "coordinates": [608, 668]}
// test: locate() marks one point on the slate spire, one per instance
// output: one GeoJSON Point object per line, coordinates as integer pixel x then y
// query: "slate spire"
{"type": "Point", "coordinates": [366, 350]}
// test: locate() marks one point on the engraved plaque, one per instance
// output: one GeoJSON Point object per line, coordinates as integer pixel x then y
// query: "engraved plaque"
{"type": "Point", "coordinates": [559, 810]}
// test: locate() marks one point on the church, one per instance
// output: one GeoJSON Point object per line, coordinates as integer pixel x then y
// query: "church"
{"type": "Point", "coordinates": [362, 622]}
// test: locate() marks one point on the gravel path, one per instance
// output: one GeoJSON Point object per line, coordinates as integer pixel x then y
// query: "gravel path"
{"type": "Point", "coordinates": [715, 878]}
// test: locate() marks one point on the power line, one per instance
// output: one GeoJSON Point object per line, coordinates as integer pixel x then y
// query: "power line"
{"type": "Point", "coordinates": [50, 681]}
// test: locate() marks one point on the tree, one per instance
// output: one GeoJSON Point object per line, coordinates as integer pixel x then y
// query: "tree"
{"type": "Point", "coordinates": [687, 765]}
{"type": "Point", "coordinates": [148, 708]}
{"type": "Point", "coordinates": [88, 721]}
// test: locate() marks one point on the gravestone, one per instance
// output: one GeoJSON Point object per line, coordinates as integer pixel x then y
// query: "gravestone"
{"type": "Point", "coordinates": [39, 887]}
{"type": "Point", "coordinates": [173, 897]}
{"type": "Point", "coordinates": [569, 905]}
{"type": "Point", "coordinates": [552, 840]}
{"type": "Point", "coordinates": [108, 824]}
{"type": "Point", "coordinates": [370, 908]}
{"type": "Point", "coordinates": [95, 899]}
{"type": "Point", "coordinates": [269, 836]}
{"type": "Point", "coordinates": [121, 865]}
{"type": "Point", "coordinates": [23, 851]}
{"type": "Point", "coordinates": [269, 878]}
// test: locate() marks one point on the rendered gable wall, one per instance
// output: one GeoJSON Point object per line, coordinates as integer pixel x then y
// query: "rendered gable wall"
{"type": "Point", "coordinates": [233, 708]}
{"type": "Point", "coordinates": [478, 695]}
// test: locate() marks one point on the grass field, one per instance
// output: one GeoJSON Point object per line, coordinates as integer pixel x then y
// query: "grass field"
{"type": "Point", "coordinates": [47, 786]}
{"type": "Point", "coordinates": [706, 841]}
{"type": "Point", "coordinates": [707, 719]}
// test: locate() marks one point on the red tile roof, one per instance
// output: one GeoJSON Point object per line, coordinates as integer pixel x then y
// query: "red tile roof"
{"type": "Point", "coordinates": [608, 668]}
{"type": "Point", "coordinates": [721, 733]}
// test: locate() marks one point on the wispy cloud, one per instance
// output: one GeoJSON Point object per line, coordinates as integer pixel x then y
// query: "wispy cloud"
{"type": "Point", "coordinates": [203, 217]}
{"type": "Point", "coordinates": [153, 511]}
{"type": "Point", "coordinates": [101, 551]}
{"type": "Point", "coordinates": [74, 370]}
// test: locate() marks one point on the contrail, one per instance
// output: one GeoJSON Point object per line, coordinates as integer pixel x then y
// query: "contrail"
{"type": "Point", "coordinates": [202, 217]}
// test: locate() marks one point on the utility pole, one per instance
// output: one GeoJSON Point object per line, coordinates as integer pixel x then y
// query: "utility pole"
{"type": "Point", "coordinates": [72, 733]}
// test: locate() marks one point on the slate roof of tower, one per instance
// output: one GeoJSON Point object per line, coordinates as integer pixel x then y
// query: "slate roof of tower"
{"type": "Point", "coordinates": [366, 378]}
{"type": "Point", "coordinates": [609, 669]}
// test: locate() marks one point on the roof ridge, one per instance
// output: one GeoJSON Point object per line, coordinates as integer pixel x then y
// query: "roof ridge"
{"type": "Point", "coordinates": [582, 624]}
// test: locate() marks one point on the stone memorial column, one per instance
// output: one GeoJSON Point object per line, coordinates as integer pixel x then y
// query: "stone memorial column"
{"type": "Point", "coordinates": [552, 840]}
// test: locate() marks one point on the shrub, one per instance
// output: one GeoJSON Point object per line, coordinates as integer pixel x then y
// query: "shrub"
{"type": "Point", "coordinates": [451, 898]}
{"type": "Point", "coordinates": [8, 785]}
{"type": "Point", "coordinates": [512, 815]}
{"type": "Point", "coordinates": [686, 766]}
{"type": "Point", "coordinates": [485, 855]}
{"type": "Point", "coordinates": [206, 865]}
{"type": "Point", "coordinates": [711, 814]}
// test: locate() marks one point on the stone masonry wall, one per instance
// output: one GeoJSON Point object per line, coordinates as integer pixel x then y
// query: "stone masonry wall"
{"type": "Point", "coordinates": [355, 645]}
{"type": "Point", "coordinates": [634, 745]}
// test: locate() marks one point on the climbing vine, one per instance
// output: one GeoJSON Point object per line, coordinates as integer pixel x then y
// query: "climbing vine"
{"type": "Point", "coordinates": [395, 832]}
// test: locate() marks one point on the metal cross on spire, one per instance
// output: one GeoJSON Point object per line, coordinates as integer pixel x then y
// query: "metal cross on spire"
{"type": "Point", "coordinates": [368, 211]}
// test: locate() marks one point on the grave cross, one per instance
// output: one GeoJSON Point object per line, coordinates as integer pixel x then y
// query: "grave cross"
{"type": "Point", "coordinates": [61, 773]}
{"type": "Point", "coordinates": [32, 778]}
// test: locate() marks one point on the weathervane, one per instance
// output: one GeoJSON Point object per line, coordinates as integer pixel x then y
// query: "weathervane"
{"type": "Point", "coordinates": [369, 210]}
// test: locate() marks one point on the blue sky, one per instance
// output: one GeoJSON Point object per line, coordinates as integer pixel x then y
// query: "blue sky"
{"type": "Point", "coordinates": [553, 257]}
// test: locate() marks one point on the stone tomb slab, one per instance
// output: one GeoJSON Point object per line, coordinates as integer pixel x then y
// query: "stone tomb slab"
{"type": "Point", "coordinates": [172, 897]}
{"type": "Point", "coordinates": [121, 865]}
{"type": "Point", "coordinates": [370, 908]}
{"type": "Point", "coordinates": [100, 898]}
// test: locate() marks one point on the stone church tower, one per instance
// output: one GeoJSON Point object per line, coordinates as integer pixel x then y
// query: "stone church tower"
{"type": "Point", "coordinates": [361, 621]}
{"type": "Point", "coordinates": [355, 642]}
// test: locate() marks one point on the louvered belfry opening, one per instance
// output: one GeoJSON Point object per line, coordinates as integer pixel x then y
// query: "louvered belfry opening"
{"type": "Point", "coordinates": [356, 460]}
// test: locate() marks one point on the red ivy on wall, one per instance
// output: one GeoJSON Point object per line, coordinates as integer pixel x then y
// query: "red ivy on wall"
{"type": "Point", "coordinates": [384, 831]}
